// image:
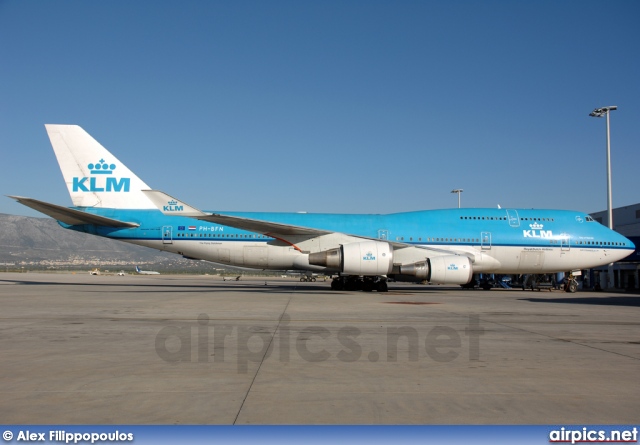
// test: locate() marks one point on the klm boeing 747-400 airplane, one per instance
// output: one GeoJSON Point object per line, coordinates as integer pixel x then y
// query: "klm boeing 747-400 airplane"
{"type": "Point", "coordinates": [360, 251]}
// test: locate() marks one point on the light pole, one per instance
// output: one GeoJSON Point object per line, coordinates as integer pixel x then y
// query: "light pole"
{"type": "Point", "coordinates": [458, 191]}
{"type": "Point", "coordinates": [600, 112]}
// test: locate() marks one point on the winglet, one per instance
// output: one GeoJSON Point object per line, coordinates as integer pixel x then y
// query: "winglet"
{"type": "Point", "coordinates": [169, 205]}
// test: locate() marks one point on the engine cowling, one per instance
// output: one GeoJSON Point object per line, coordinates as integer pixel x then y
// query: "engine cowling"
{"type": "Point", "coordinates": [364, 258]}
{"type": "Point", "coordinates": [419, 270]}
{"type": "Point", "coordinates": [450, 269]}
{"type": "Point", "coordinates": [447, 269]}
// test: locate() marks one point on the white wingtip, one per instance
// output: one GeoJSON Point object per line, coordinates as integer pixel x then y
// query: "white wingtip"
{"type": "Point", "coordinates": [169, 205]}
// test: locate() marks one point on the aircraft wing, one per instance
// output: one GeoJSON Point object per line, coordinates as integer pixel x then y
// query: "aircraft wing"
{"type": "Point", "coordinates": [259, 226]}
{"type": "Point", "coordinates": [70, 216]}
{"type": "Point", "coordinates": [171, 206]}
{"type": "Point", "coordinates": [271, 228]}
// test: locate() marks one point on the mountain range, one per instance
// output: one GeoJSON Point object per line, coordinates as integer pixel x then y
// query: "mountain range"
{"type": "Point", "coordinates": [32, 240]}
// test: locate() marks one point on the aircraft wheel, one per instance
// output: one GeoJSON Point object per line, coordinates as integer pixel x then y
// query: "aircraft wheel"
{"type": "Point", "coordinates": [381, 286]}
{"type": "Point", "coordinates": [313, 279]}
{"type": "Point", "coordinates": [573, 286]}
{"type": "Point", "coordinates": [353, 284]}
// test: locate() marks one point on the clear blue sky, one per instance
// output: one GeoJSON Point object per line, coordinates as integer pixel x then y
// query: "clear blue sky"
{"type": "Point", "coordinates": [329, 106]}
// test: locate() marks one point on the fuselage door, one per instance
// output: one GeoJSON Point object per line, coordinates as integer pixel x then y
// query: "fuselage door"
{"type": "Point", "coordinates": [485, 240]}
{"type": "Point", "coordinates": [167, 237]}
{"type": "Point", "coordinates": [514, 219]}
{"type": "Point", "coordinates": [383, 234]}
{"type": "Point", "coordinates": [565, 243]}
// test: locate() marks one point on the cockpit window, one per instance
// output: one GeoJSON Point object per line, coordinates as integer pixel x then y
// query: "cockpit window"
{"type": "Point", "coordinates": [589, 219]}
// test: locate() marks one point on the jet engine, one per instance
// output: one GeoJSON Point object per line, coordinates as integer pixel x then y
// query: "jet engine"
{"type": "Point", "coordinates": [364, 258]}
{"type": "Point", "coordinates": [446, 269]}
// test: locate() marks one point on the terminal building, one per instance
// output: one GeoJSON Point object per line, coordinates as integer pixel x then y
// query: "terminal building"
{"type": "Point", "coordinates": [626, 221]}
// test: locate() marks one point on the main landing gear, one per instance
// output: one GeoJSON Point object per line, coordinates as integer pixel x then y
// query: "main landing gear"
{"type": "Point", "coordinates": [366, 284]}
{"type": "Point", "coordinates": [571, 285]}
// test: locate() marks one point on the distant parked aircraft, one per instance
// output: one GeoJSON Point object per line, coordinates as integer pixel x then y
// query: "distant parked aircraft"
{"type": "Point", "coordinates": [146, 272]}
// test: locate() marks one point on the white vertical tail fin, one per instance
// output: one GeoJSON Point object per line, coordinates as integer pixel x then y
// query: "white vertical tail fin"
{"type": "Point", "coordinates": [94, 177]}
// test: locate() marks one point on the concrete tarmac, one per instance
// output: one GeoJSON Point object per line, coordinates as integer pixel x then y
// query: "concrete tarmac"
{"type": "Point", "coordinates": [81, 349]}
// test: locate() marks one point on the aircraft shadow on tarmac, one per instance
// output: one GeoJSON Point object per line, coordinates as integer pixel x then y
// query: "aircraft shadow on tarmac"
{"type": "Point", "coordinates": [231, 286]}
{"type": "Point", "coordinates": [633, 301]}
{"type": "Point", "coordinates": [278, 287]}
{"type": "Point", "coordinates": [161, 288]}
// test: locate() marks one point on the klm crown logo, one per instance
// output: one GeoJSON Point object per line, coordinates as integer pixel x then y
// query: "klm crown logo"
{"type": "Point", "coordinates": [101, 168]}
{"type": "Point", "coordinates": [537, 232]}
{"type": "Point", "coordinates": [94, 184]}
{"type": "Point", "coordinates": [172, 206]}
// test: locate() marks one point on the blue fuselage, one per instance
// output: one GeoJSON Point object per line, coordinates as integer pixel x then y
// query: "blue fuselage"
{"type": "Point", "coordinates": [500, 234]}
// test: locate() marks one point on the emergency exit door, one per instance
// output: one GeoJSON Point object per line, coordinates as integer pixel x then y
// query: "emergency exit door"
{"type": "Point", "coordinates": [485, 240]}
{"type": "Point", "coordinates": [167, 235]}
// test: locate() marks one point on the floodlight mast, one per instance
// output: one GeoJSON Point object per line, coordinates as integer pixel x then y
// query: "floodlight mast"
{"type": "Point", "coordinates": [458, 191]}
{"type": "Point", "coordinates": [600, 112]}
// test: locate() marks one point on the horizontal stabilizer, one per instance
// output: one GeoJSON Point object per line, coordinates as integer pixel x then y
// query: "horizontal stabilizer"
{"type": "Point", "coordinates": [71, 216]}
{"type": "Point", "coordinates": [170, 206]}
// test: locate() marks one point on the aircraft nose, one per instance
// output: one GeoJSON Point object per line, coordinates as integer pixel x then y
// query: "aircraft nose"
{"type": "Point", "coordinates": [630, 247]}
